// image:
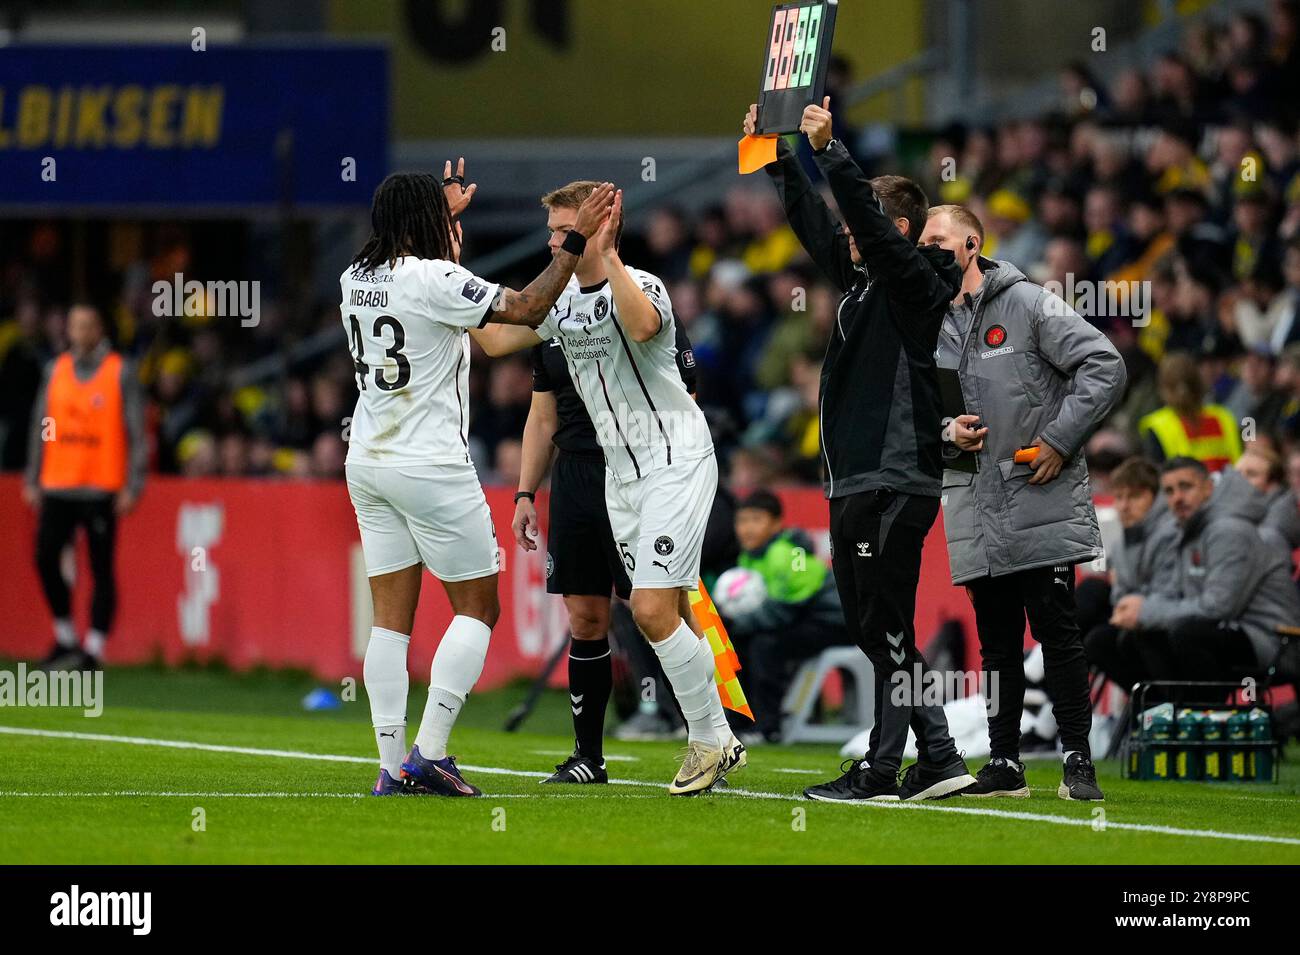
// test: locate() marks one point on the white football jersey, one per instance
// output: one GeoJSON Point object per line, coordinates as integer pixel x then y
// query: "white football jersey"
{"type": "Point", "coordinates": [645, 419]}
{"type": "Point", "coordinates": [406, 329]}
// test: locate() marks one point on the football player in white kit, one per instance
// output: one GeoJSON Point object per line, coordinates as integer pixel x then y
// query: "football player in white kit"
{"type": "Point", "coordinates": [406, 306]}
{"type": "Point", "coordinates": [616, 329]}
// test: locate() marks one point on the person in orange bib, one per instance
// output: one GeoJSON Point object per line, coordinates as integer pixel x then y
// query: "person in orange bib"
{"type": "Point", "coordinates": [85, 468]}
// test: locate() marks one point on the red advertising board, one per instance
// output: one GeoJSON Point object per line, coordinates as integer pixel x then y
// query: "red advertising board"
{"type": "Point", "coordinates": [269, 573]}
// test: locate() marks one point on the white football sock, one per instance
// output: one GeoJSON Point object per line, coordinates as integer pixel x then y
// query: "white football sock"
{"type": "Point", "coordinates": [387, 684]}
{"type": "Point", "coordinates": [65, 634]}
{"type": "Point", "coordinates": [717, 713]}
{"type": "Point", "coordinates": [95, 643]}
{"type": "Point", "coordinates": [688, 664]}
{"type": "Point", "coordinates": [457, 665]}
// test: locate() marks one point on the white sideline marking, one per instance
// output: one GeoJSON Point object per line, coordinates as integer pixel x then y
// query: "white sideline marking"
{"type": "Point", "coordinates": [1058, 820]}
{"type": "Point", "coordinates": [288, 795]}
{"type": "Point", "coordinates": [801, 772]}
{"type": "Point", "coordinates": [195, 795]}
{"type": "Point", "coordinates": [730, 791]}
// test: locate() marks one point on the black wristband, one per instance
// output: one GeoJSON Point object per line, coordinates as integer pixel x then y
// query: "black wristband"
{"type": "Point", "coordinates": [531, 495]}
{"type": "Point", "coordinates": [574, 243]}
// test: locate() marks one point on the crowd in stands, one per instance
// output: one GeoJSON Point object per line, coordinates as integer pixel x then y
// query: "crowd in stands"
{"type": "Point", "coordinates": [1182, 175]}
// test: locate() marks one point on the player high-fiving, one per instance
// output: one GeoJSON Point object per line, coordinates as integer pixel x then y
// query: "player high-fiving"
{"type": "Point", "coordinates": [407, 303]}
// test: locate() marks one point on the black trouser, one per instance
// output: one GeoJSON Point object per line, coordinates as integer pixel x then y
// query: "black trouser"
{"type": "Point", "coordinates": [769, 659]}
{"type": "Point", "coordinates": [1194, 650]}
{"type": "Point", "coordinates": [1116, 653]}
{"type": "Point", "coordinates": [1046, 596]}
{"type": "Point", "coordinates": [876, 541]}
{"type": "Point", "coordinates": [1092, 598]}
{"type": "Point", "coordinates": [60, 517]}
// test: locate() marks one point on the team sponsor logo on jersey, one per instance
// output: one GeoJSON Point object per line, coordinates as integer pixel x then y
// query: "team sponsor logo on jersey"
{"type": "Point", "coordinates": [993, 353]}
{"type": "Point", "coordinates": [550, 566]}
{"type": "Point", "coordinates": [994, 336]}
{"type": "Point", "coordinates": [474, 290]}
{"type": "Point", "coordinates": [663, 545]}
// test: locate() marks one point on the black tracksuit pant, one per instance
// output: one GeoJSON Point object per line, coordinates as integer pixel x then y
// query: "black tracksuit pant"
{"type": "Point", "coordinates": [876, 541]}
{"type": "Point", "coordinates": [1046, 596]}
{"type": "Point", "coordinates": [59, 520]}
{"type": "Point", "coordinates": [1204, 650]}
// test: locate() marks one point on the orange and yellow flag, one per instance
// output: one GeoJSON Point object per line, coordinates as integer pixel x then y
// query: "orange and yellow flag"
{"type": "Point", "coordinates": [725, 662]}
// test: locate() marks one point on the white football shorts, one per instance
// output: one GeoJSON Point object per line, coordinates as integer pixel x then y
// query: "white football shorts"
{"type": "Point", "coordinates": [659, 520]}
{"type": "Point", "coordinates": [434, 514]}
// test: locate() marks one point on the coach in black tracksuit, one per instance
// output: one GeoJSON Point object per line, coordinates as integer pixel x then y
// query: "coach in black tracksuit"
{"type": "Point", "coordinates": [880, 409]}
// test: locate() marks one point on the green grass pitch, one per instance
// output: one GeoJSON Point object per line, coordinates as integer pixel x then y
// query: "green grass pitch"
{"type": "Point", "coordinates": [71, 799]}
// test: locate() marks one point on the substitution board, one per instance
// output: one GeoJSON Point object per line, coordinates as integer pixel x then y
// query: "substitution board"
{"type": "Point", "coordinates": [795, 62]}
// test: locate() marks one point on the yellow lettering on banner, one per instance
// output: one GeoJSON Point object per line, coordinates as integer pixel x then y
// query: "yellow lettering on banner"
{"type": "Point", "coordinates": [92, 125]}
{"type": "Point", "coordinates": [33, 116]}
{"type": "Point", "coordinates": [128, 106]}
{"type": "Point", "coordinates": [201, 116]}
{"type": "Point", "coordinates": [126, 117]}
{"type": "Point", "coordinates": [63, 117]}
{"type": "Point", "coordinates": [161, 104]}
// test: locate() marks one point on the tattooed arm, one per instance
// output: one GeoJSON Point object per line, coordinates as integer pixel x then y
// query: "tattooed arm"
{"type": "Point", "coordinates": [529, 306]}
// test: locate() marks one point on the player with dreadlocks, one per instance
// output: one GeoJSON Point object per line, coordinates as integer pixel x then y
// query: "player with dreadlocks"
{"type": "Point", "coordinates": [407, 304]}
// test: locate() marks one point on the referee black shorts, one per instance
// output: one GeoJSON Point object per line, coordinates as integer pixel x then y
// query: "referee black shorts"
{"type": "Point", "coordinates": [581, 558]}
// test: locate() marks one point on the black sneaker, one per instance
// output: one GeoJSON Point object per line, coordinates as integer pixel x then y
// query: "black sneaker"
{"type": "Point", "coordinates": [57, 651]}
{"type": "Point", "coordinates": [579, 769]}
{"type": "Point", "coordinates": [1079, 780]}
{"type": "Point", "coordinates": [999, 777]}
{"type": "Point", "coordinates": [67, 659]}
{"type": "Point", "coordinates": [858, 784]}
{"type": "Point", "coordinates": [934, 782]}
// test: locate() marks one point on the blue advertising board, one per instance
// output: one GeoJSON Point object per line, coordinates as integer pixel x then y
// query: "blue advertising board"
{"type": "Point", "coordinates": [170, 126]}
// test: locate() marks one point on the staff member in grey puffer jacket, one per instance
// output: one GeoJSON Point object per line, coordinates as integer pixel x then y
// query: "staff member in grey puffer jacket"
{"type": "Point", "coordinates": [1032, 372]}
{"type": "Point", "coordinates": [1145, 562]}
{"type": "Point", "coordinates": [1234, 585]}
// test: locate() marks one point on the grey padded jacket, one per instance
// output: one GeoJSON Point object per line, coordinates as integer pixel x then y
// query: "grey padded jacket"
{"type": "Point", "coordinates": [1029, 365]}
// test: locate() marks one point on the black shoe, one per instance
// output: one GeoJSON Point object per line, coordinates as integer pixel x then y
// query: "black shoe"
{"type": "Point", "coordinates": [858, 784]}
{"type": "Point", "coordinates": [999, 777]}
{"type": "Point", "coordinates": [579, 769]}
{"type": "Point", "coordinates": [1079, 781]}
{"type": "Point", "coordinates": [69, 659]}
{"type": "Point", "coordinates": [61, 658]}
{"type": "Point", "coordinates": [934, 782]}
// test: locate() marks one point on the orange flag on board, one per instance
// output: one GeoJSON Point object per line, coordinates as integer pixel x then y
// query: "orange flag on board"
{"type": "Point", "coordinates": [725, 662]}
{"type": "Point", "coordinates": [756, 152]}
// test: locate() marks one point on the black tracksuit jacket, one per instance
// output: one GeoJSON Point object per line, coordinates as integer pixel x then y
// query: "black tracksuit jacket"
{"type": "Point", "coordinates": [880, 408]}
